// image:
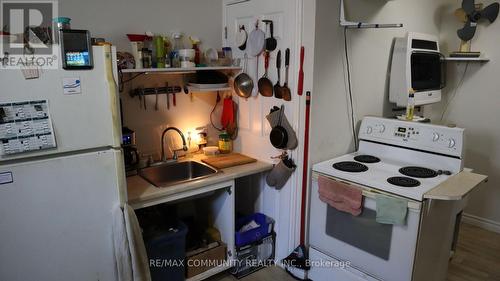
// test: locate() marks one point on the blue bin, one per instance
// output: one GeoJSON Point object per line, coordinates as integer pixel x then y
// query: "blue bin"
{"type": "Point", "coordinates": [166, 251]}
{"type": "Point", "coordinates": [244, 238]}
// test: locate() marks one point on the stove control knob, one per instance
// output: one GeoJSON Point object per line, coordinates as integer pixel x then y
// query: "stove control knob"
{"type": "Point", "coordinates": [381, 129]}
{"type": "Point", "coordinates": [435, 137]}
{"type": "Point", "coordinates": [369, 130]}
{"type": "Point", "coordinates": [452, 143]}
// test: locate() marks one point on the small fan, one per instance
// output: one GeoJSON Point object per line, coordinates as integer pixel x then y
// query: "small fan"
{"type": "Point", "coordinates": [470, 14]}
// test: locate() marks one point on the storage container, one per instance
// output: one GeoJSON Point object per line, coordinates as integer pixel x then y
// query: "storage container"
{"type": "Point", "coordinates": [266, 225]}
{"type": "Point", "coordinates": [166, 251]}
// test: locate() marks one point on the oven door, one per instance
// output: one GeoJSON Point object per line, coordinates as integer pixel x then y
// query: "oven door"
{"type": "Point", "coordinates": [385, 252]}
{"type": "Point", "coordinates": [427, 71]}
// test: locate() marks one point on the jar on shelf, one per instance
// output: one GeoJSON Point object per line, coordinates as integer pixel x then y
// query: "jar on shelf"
{"type": "Point", "coordinates": [225, 143]}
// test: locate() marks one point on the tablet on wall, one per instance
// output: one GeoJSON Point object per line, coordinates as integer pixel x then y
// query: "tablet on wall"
{"type": "Point", "coordinates": [76, 48]}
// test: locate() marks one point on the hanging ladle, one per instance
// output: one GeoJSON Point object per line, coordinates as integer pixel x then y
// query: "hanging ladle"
{"type": "Point", "coordinates": [243, 83]}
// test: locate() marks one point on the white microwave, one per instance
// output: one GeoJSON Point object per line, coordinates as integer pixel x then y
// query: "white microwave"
{"type": "Point", "coordinates": [417, 64]}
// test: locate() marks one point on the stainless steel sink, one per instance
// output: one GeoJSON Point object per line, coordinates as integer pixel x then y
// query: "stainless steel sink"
{"type": "Point", "coordinates": [169, 174]}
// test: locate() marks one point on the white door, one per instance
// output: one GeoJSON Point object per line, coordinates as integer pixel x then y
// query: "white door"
{"type": "Point", "coordinates": [87, 119]}
{"type": "Point", "coordinates": [253, 140]}
{"type": "Point", "coordinates": [55, 217]}
{"type": "Point", "coordinates": [383, 251]}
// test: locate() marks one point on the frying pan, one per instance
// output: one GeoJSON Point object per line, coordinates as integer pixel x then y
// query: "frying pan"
{"type": "Point", "coordinates": [271, 42]}
{"type": "Point", "coordinates": [278, 135]}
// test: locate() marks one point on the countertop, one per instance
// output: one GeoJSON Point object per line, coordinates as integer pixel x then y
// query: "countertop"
{"type": "Point", "coordinates": [140, 191]}
{"type": "Point", "coordinates": [456, 187]}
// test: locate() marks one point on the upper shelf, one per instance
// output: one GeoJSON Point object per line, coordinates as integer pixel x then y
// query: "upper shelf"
{"type": "Point", "coordinates": [179, 70]}
{"type": "Point", "coordinates": [459, 59]}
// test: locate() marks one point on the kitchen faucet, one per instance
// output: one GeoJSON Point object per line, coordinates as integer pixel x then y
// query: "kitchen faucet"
{"type": "Point", "coordinates": [175, 156]}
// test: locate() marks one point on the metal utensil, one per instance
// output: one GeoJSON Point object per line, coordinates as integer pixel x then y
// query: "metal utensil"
{"type": "Point", "coordinates": [271, 42]}
{"type": "Point", "coordinates": [144, 99]}
{"type": "Point", "coordinates": [243, 83]}
{"type": "Point", "coordinates": [277, 87]}
{"type": "Point", "coordinates": [265, 85]}
{"type": "Point", "coordinates": [156, 99]}
{"type": "Point", "coordinates": [287, 94]}
{"type": "Point", "coordinates": [166, 95]}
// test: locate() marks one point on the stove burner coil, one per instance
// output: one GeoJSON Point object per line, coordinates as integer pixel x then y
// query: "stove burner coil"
{"type": "Point", "coordinates": [350, 166]}
{"type": "Point", "coordinates": [367, 159]}
{"type": "Point", "coordinates": [418, 172]}
{"type": "Point", "coordinates": [403, 181]}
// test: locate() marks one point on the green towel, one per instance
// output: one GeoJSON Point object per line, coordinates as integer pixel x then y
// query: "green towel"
{"type": "Point", "coordinates": [391, 210]}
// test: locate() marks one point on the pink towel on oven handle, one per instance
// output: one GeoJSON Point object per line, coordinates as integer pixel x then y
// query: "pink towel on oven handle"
{"type": "Point", "coordinates": [341, 196]}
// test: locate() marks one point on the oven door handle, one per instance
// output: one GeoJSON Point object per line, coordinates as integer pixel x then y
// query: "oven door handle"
{"type": "Point", "coordinates": [371, 193]}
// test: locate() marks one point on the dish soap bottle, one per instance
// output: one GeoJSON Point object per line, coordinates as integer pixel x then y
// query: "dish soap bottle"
{"type": "Point", "coordinates": [410, 107]}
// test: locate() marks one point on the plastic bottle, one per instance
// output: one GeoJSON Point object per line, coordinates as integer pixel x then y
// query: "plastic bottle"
{"type": "Point", "coordinates": [174, 55]}
{"type": "Point", "coordinates": [410, 107]}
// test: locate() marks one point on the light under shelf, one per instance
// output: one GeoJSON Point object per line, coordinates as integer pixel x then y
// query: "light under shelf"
{"type": "Point", "coordinates": [179, 70]}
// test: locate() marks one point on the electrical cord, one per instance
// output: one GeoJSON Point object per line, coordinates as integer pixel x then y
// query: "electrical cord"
{"type": "Point", "coordinates": [459, 85]}
{"type": "Point", "coordinates": [351, 99]}
{"type": "Point", "coordinates": [212, 112]}
{"type": "Point", "coordinates": [122, 82]}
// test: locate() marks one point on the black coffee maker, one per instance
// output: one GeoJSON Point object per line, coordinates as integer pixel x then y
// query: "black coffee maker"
{"type": "Point", "coordinates": [130, 153]}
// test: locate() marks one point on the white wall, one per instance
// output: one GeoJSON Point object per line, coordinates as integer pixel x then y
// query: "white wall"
{"type": "Point", "coordinates": [475, 105]}
{"type": "Point", "coordinates": [112, 19]}
{"type": "Point", "coordinates": [369, 53]}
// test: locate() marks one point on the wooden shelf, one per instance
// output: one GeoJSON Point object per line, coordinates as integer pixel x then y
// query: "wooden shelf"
{"type": "Point", "coordinates": [179, 70]}
{"type": "Point", "coordinates": [461, 59]}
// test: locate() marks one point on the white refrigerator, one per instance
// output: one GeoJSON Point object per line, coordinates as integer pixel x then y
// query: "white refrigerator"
{"type": "Point", "coordinates": [61, 172]}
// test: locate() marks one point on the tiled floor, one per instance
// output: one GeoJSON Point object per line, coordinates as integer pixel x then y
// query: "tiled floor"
{"type": "Point", "coordinates": [477, 259]}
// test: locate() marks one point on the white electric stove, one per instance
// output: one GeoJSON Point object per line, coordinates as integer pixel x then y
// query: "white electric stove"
{"type": "Point", "coordinates": [397, 158]}
{"type": "Point", "coordinates": [403, 158]}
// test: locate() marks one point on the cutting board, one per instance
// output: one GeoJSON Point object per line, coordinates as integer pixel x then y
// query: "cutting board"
{"type": "Point", "coordinates": [228, 160]}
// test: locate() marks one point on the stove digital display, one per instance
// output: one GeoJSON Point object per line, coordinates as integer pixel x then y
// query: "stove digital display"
{"type": "Point", "coordinates": [402, 130]}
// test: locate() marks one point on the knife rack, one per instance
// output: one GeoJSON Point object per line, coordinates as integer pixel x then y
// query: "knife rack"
{"type": "Point", "coordinates": [156, 91]}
